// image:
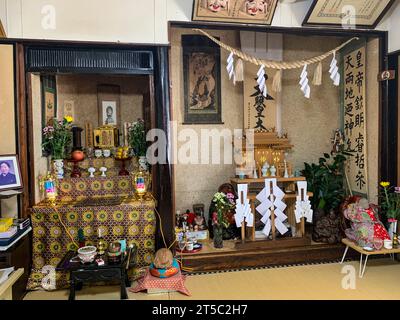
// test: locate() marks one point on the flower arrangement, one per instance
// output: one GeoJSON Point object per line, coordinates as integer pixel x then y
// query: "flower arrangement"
{"type": "Point", "coordinates": [137, 138]}
{"type": "Point", "coordinates": [390, 201]}
{"type": "Point", "coordinates": [56, 137]}
{"type": "Point", "coordinates": [223, 204]}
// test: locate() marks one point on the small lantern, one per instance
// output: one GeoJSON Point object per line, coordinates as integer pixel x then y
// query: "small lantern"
{"type": "Point", "coordinates": [49, 187]}
{"type": "Point", "coordinates": [141, 182]}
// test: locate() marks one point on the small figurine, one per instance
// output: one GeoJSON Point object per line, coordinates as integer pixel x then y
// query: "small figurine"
{"type": "Point", "coordinates": [199, 222]}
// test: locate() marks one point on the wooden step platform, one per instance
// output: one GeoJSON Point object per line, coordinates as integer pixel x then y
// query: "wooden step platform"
{"type": "Point", "coordinates": [230, 258]}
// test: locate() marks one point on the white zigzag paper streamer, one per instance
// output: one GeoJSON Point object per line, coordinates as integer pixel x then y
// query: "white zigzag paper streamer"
{"type": "Point", "coordinates": [243, 211]}
{"type": "Point", "coordinates": [272, 201]}
{"type": "Point", "coordinates": [261, 81]}
{"type": "Point", "coordinates": [305, 87]}
{"type": "Point", "coordinates": [230, 67]}
{"type": "Point", "coordinates": [334, 71]}
{"type": "Point", "coordinates": [303, 208]}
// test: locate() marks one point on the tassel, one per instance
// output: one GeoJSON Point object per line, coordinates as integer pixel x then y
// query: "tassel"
{"type": "Point", "coordinates": [239, 70]}
{"type": "Point", "coordinates": [277, 82]}
{"type": "Point", "coordinates": [317, 81]}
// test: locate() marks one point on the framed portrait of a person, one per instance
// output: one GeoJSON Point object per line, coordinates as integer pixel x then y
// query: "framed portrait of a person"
{"type": "Point", "coordinates": [109, 110]}
{"type": "Point", "coordinates": [202, 80]}
{"type": "Point", "coordinates": [108, 97]}
{"type": "Point", "coordinates": [10, 173]}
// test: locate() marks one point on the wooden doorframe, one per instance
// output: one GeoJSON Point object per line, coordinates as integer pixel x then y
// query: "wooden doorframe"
{"type": "Point", "coordinates": [393, 92]}
{"type": "Point", "coordinates": [160, 112]}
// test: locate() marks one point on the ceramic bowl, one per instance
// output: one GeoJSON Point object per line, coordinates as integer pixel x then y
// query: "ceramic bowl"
{"type": "Point", "coordinates": [87, 254]}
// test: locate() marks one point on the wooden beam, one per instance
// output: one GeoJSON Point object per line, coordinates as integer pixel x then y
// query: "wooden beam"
{"type": "Point", "coordinates": [2, 31]}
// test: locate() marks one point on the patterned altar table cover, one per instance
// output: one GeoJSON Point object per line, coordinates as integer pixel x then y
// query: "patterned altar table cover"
{"type": "Point", "coordinates": [132, 220]}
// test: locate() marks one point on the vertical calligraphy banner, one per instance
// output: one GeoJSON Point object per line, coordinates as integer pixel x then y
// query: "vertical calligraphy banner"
{"type": "Point", "coordinates": [355, 119]}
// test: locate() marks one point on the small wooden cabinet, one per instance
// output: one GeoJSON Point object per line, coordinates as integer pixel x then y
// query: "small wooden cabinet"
{"type": "Point", "coordinates": [18, 256]}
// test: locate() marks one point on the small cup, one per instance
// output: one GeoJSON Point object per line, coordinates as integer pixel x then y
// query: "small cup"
{"type": "Point", "coordinates": [189, 246]}
{"type": "Point", "coordinates": [98, 153]}
{"type": "Point", "coordinates": [106, 153]}
{"type": "Point", "coordinates": [388, 244]}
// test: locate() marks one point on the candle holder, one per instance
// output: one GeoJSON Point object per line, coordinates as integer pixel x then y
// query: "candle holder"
{"type": "Point", "coordinates": [76, 171]}
{"type": "Point", "coordinates": [123, 171]}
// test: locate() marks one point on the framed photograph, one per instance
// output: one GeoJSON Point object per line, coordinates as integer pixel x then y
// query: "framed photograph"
{"type": "Point", "coordinates": [49, 99]}
{"type": "Point", "coordinates": [202, 80]}
{"type": "Point", "coordinates": [109, 109]}
{"type": "Point", "coordinates": [108, 105]}
{"type": "Point", "coordinates": [235, 11]}
{"type": "Point", "coordinates": [10, 173]}
{"type": "Point", "coordinates": [69, 108]}
{"type": "Point", "coordinates": [340, 13]}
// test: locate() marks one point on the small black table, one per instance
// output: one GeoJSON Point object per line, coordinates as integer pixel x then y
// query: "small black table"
{"type": "Point", "coordinates": [89, 273]}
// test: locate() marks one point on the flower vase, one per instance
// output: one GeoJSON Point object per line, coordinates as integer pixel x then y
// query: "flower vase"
{"type": "Point", "coordinates": [58, 165]}
{"type": "Point", "coordinates": [392, 229]}
{"type": "Point", "coordinates": [218, 237]}
{"type": "Point", "coordinates": [142, 163]}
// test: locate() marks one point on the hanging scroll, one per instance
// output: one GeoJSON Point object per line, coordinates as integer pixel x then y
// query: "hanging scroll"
{"type": "Point", "coordinates": [355, 118]}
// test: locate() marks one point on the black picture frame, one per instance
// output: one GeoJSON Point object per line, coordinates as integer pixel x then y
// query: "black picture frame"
{"type": "Point", "coordinates": [15, 168]}
{"type": "Point", "coordinates": [208, 86]}
{"type": "Point", "coordinates": [336, 25]}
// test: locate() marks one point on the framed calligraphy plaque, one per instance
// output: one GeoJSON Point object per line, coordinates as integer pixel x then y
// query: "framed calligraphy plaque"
{"type": "Point", "coordinates": [355, 118]}
{"type": "Point", "coordinates": [347, 13]}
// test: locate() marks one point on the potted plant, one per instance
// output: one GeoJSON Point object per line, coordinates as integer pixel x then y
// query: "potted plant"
{"type": "Point", "coordinates": [223, 203]}
{"type": "Point", "coordinates": [390, 205]}
{"type": "Point", "coordinates": [137, 141]}
{"type": "Point", "coordinates": [57, 137]}
{"type": "Point", "coordinates": [326, 182]}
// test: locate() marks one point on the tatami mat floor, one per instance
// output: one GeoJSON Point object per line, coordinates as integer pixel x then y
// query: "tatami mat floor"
{"type": "Point", "coordinates": [310, 282]}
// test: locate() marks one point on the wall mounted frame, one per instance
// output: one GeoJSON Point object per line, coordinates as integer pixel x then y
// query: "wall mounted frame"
{"type": "Point", "coordinates": [363, 14]}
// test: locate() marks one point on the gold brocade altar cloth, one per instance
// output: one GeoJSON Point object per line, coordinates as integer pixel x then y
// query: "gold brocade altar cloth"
{"type": "Point", "coordinates": [130, 219]}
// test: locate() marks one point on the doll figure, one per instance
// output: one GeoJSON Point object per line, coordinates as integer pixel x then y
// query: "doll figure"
{"type": "Point", "coordinates": [199, 222]}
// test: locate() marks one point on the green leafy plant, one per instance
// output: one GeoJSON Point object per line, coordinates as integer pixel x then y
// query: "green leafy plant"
{"type": "Point", "coordinates": [57, 137]}
{"type": "Point", "coordinates": [390, 201]}
{"type": "Point", "coordinates": [326, 181]}
{"type": "Point", "coordinates": [137, 138]}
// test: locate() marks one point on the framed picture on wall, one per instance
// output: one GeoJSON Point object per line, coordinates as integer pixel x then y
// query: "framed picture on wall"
{"type": "Point", "coordinates": [235, 11]}
{"type": "Point", "coordinates": [10, 173]}
{"type": "Point", "coordinates": [202, 80]}
{"type": "Point", "coordinates": [108, 105]}
{"type": "Point", "coordinates": [347, 13]}
{"type": "Point", "coordinates": [49, 99]}
{"type": "Point", "coordinates": [69, 108]}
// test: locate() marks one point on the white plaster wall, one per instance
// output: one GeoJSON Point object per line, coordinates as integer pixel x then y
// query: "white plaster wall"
{"type": "Point", "coordinates": [134, 21]}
